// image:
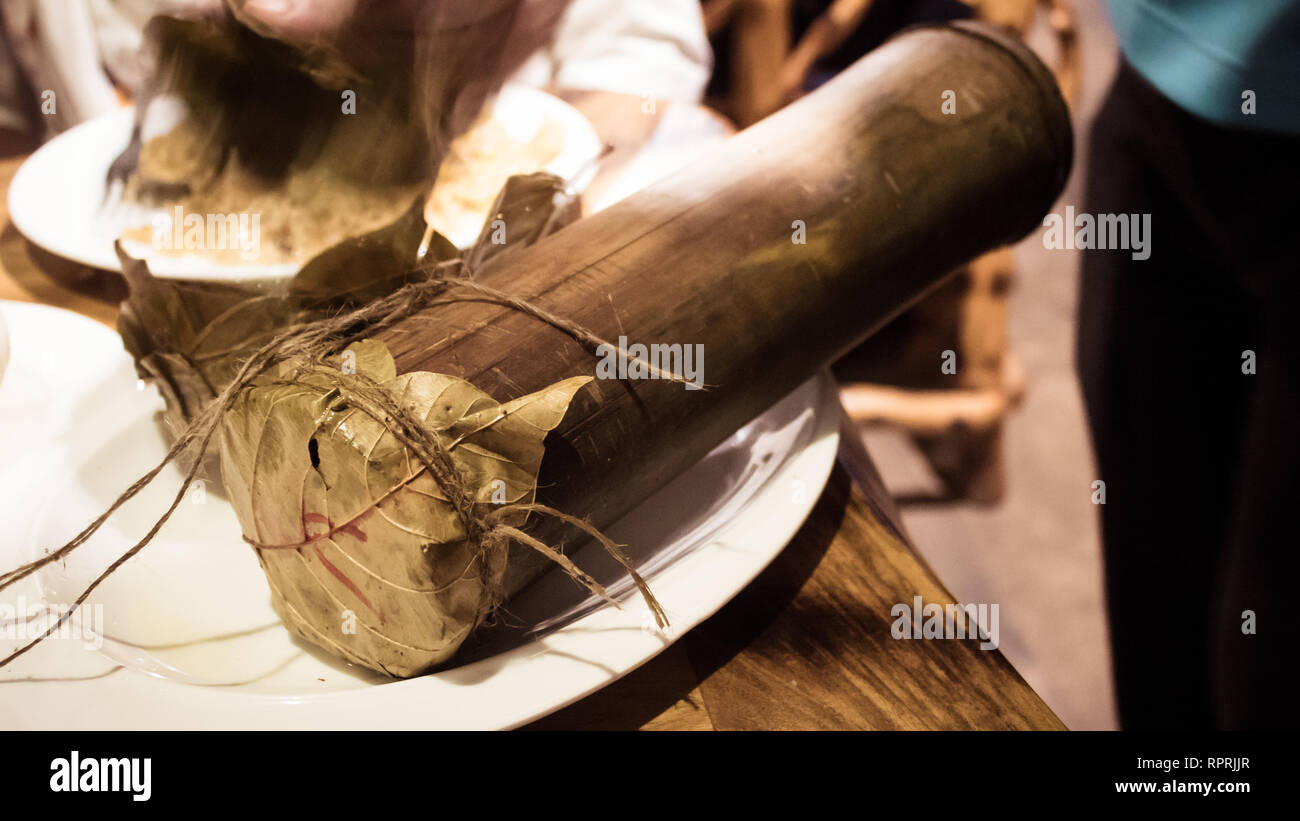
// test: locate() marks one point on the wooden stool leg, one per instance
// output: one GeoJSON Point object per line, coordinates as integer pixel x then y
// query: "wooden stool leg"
{"type": "Point", "coordinates": [976, 470]}
{"type": "Point", "coordinates": [761, 37]}
{"type": "Point", "coordinates": [968, 461]}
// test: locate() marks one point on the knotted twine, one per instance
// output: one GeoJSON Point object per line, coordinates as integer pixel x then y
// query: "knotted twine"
{"type": "Point", "coordinates": [312, 342]}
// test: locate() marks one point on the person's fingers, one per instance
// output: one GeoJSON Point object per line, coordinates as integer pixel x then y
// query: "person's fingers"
{"type": "Point", "coordinates": [300, 19]}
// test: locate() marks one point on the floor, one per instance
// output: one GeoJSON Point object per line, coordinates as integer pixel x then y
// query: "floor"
{"type": "Point", "coordinates": [1037, 553]}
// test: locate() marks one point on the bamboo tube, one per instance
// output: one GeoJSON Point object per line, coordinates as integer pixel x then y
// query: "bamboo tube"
{"type": "Point", "coordinates": [892, 193]}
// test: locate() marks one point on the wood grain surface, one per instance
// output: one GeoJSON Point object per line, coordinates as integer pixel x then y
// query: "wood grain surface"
{"type": "Point", "coordinates": [28, 274]}
{"type": "Point", "coordinates": [808, 646]}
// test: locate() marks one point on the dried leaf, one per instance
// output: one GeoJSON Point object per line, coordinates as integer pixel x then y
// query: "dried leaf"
{"type": "Point", "coordinates": [531, 207]}
{"type": "Point", "coordinates": [367, 267]}
{"type": "Point", "coordinates": [364, 554]}
{"type": "Point", "coordinates": [190, 337]}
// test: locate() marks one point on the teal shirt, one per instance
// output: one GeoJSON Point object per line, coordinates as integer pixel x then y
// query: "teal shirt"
{"type": "Point", "coordinates": [1204, 54]}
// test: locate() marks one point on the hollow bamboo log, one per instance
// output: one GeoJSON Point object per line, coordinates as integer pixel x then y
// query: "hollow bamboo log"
{"type": "Point", "coordinates": [781, 250]}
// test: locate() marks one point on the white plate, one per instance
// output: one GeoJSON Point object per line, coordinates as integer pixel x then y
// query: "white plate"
{"type": "Point", "coordinates": [56, 197]}
{"type": "Point", "coordinates": [189, 637]}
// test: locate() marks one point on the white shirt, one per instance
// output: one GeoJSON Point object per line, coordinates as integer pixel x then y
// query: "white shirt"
{"type": "Point", "coordinates": [648, 48]}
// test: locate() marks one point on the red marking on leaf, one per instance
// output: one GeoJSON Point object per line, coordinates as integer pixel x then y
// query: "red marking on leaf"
{"type": "Point", "coordinates": [356, 591]}
{"type": "Point", "coordinates": [316, 517]}
{"type": "Point", "coordinates": [349, 527]}
{"type": "Point", "coordinates": [353, 529]}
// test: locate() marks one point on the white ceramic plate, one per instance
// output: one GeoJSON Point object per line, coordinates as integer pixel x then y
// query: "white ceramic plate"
{"type": "Point", "coordinates": [186, 632]}
{"type": "Point", "coordinates": [57, 197]}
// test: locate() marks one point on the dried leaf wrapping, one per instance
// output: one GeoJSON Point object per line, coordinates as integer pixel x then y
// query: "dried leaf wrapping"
{"type": "Point", "coordinates": [364, 554]}
{"type": "Point", "coordinates": [378, 570]}
{"type": "Point", "coordinates": [534, 206]}
{"type": "Point", "coordinates": [190, 336]}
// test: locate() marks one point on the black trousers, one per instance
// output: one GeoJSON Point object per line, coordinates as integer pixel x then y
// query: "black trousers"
{"type": "Point", "coordinates": [1200, 459]}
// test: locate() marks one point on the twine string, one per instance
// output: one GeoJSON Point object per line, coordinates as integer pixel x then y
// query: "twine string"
{"type": "Point", "coordinates": [313, 342]}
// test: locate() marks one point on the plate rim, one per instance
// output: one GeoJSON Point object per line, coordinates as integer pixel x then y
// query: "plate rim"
{"type": "Point", "coordinates": [29, 225]}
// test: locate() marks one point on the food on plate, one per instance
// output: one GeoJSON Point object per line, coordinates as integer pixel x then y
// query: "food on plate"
{"type": "Point", "coordinates": [273, 161]}
{"type": "Point", "coordinates": [478, 164]}
{"type": "Point", "coordinates": [294, 157]}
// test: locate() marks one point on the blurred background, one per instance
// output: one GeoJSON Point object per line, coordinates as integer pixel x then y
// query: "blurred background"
{"type": "Point", "coordinates": [992, 465]}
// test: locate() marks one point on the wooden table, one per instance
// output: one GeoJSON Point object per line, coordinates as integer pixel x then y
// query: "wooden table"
{"type": "Point", "coordinates": [806, 645]}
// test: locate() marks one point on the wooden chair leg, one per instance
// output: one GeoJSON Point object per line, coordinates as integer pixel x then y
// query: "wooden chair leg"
{"type": "Point", "coordinates": [970, 462]}
{"type": "Point", "coordinates": [761, 36]}
{"type": "Point", "coordinates": [959, 428]}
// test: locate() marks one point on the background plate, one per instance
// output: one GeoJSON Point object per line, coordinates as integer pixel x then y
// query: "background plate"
{"type": "Point", "coordinates": [57, 196]}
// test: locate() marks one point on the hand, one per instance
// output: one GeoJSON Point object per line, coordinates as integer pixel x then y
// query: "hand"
{"type": "Point", "coordinates": [306, 21]}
